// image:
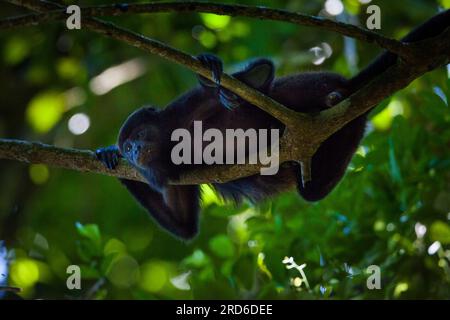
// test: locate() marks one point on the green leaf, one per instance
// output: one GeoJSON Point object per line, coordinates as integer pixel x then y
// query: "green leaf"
{"type": "Point", "coordinates": [262, 265]}
{"type": "Point", "coordinates": [107, 262]}
{"type": "Point", "coordinates": [89, 231]}
{"type": "Point", "coordinates": [197, 259]}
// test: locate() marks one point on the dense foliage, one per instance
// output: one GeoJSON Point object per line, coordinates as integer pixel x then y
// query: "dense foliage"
{"type": "Point", "coordinates": [392, 209]}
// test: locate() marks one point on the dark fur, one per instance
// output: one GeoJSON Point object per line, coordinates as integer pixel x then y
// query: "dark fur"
{"type": "Point", "coordinates": [175, 208]}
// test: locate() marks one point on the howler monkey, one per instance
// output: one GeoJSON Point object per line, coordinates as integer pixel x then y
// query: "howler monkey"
{"type": "Point", "coordinates": [145, 137]}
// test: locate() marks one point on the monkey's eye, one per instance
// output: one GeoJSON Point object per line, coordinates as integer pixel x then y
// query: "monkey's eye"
{"type": "Point", "coordinates": [127, 147]}
{"type": "Point", "coordinates": [333, 98]}
{"type": "Point", "coordinates": [141, 135]}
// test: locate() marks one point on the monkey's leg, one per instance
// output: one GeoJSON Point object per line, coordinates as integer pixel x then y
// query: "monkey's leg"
{"type": "Point", "coordinates": [330, 161]}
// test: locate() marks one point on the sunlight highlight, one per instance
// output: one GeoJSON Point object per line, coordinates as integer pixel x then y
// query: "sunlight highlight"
{"type": "Point", "coordinates": [420, 230]}
{"type": "Point", "coordinates": [334, 7]}
{"type": "Point", "coordinates": [117, 75]}
{"type": "Point", "coordinates": [435, 246]}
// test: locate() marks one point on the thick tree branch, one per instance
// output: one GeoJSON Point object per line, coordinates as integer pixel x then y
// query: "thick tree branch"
{"type": "Point", "coordinates": [234, 10]}
{"type": "Point", "coordinates": [86, 161]}
{"type": "Point", "coordinates": [79, 160]}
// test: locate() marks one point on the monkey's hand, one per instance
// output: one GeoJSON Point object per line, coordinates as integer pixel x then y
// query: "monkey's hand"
{"type": "Point", "coordinates": [109, 156]}
{"type": "Point", "coordinates": [228, 99]}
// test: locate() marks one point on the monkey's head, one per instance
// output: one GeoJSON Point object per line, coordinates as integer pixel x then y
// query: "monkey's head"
{"type": "Point", "coordinates": [320, 91]}
{"type": "Point", "coordinates": [140, 137]}
{"type": "Point", "coordinates": [328, 90]}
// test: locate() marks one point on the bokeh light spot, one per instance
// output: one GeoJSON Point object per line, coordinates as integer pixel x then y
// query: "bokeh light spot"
{"type": "Point", "coordinates": [16, 49]}
{"type": "Point", "coordinates": [208, 39]}
{"type": "Point", "coordinates": [45, 110]}
{"type": "Point", "coordinates": [214, 21]}
{"type": "Point", "coordinates": [124, 272]}
{"type": "Point", "coordinates": [79, 123]}
{"type": "Point", "coordinates": [24, 273]}
{"type": "Point", "coordinates": [334, 7]}
{"type": "Point", "coordinates": [400, 288]}
{"type": "Point", "coordinates": [39, 173]}
{"type": "Point", "coordinates": [154, 276]}
{"type": "Point", "coordinates": [435, 246]}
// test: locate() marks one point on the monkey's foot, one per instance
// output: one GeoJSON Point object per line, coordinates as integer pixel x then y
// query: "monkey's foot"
{"type": "Point", "coordinates": [109, 156]}
{"type": "Point", "coordinates": [228, 99]}
{"type": "Point", "coordinates": [214, 64]}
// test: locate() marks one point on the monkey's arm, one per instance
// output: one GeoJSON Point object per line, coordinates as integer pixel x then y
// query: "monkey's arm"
{"type": "Point", "coordinates": [258, 74]}
{"type": "Point", "coordinates": [175, 209]}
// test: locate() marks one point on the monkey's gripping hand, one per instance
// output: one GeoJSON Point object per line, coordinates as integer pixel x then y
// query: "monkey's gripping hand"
{"type": "Point", "coordinates": [258, 74]}
{"type": "Point", "coordinates": [109, 156]}
{"type": "Point", "coordinates": [228, 99]}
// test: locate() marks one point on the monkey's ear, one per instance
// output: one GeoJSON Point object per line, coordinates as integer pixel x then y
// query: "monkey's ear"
{"type": "Point", "coordinates": [176, 209]}
{"type": "Point", "coordinates": [259, 74]}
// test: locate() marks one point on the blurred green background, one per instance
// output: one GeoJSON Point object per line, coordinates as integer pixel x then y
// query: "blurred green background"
{"type": "Point", "coordinates": [75, 88]}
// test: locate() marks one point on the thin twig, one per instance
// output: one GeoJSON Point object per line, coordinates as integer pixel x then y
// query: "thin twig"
{"type": "Point", "coordinates": [10, 289]}
{"type": "Point", "coordinates": [94, 289]}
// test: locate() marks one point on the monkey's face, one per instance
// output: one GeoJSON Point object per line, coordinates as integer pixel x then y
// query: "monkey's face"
{"type": "Point", "coordinates": [139, 138]}
{"type": "Point", "coordinates": [331, 91]}
{"type": "Point", "coordinates": [140, 149]}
